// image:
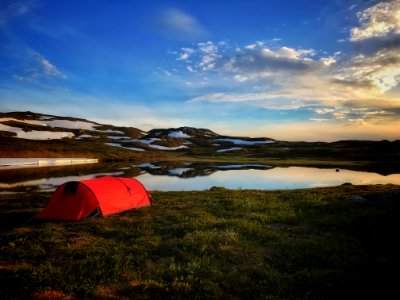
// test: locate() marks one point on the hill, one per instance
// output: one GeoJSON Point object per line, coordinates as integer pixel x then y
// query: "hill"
{"type": "Point", "coordinates": [29, 134]}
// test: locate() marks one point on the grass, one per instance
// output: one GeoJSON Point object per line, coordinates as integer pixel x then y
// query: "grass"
{"type": "Point", "coordinates": [219, 244]}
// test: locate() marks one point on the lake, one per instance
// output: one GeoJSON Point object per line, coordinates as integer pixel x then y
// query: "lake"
{"type": "Point", "coordinates": [187, 176]}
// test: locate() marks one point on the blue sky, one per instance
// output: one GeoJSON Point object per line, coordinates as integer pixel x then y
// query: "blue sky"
{"type": "Point", "coordinates": [291, 70]}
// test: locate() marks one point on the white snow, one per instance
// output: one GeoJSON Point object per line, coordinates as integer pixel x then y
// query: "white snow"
{"type": "Point", "coordinates": [46, 117]}
{"type": "Point", "coordinates": [179, 171]}
{"type": "Point", "coordinates": [147, 141]}
{"type": "Point", "coordinates": [244, 142]}
{"type": "Point", "coordinates": [11, 163]}
{"type": "Point", "coordinates": [230, 149]}
{"type": "Point", "coordinates": [68, 124]}
{"type": "Point", "coordinates": [167, 148]}
{"type": "Point", "coordinates": [128, 148]}
{"type": "Point", "coordinates": [109, 131]}
{"type": "Point", "coordinates": [33, 122]}
{"type": "Point", "coordinates": [148, 165]}
{"type": "Point", "coordinates": [71, 124]}
{"type": "Point", "coordinates": [178, 134]}
{"type": "Point", "coordinates": [36, 135]}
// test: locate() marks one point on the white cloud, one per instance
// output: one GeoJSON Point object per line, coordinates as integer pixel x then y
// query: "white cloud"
{"type": "Point", "coordinates": [209, 53]}
{"type": "Point", "coordinates": [240, 78]}
{"type": "Point", "coordinates": [288, 53]}
{"type": "Point", "coordinates": [328, 60]}
{"type": "Point", "coordinates": [179, 24]}
{"type": "Point", "coordinates": [358, 87]}
{"type": "Point", "coordinates": [323, 111]}
{"type": "Point", "coordinates": [185, 54]}
{"type": "Point", "coordinates": [378, 21]}
{"type": "Point", "coordinates": [49, 69]}
{"type": "Point", "coordinates": [381, 69]}
{"type": "Point", "coordinates": [36, 67]}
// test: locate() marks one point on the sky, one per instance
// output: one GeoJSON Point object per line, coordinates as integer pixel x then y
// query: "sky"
{"type": "Point", "coordinates": [320, 70]}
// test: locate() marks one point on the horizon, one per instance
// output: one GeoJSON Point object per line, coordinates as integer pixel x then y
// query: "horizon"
{"type": "Point", "coordinates": [286, 70]}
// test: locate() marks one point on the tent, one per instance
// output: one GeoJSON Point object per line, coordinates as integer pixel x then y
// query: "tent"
{"type": "Point", "coordinates": [75, 200]}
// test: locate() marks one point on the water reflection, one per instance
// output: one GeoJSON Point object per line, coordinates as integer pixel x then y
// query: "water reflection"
{"type": "Point", "coordinates": [190, 176]}
{"type": "Point", "coordinates": [276, 178]}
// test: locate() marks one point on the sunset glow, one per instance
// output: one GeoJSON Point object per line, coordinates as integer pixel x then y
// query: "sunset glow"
{"type": "Point", "coordinates": [289, 70]}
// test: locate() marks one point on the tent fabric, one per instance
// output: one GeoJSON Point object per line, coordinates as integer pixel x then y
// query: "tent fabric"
{"type": "Point", "coordinates": [75, 200]}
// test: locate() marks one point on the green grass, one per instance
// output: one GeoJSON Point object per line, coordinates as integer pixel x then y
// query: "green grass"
{"type": "Point", "coordinates": [219, 244]}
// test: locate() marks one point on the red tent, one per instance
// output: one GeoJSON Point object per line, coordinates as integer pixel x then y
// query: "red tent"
{"type": "Point", "coordinates": [75, 200]}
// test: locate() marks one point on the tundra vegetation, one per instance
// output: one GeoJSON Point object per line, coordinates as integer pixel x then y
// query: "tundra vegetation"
{"type": "Point", "coordinates": [321, 243]}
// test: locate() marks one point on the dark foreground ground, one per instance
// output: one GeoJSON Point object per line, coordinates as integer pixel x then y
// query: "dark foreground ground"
{"type": "Point", "coordinates": [325, 243]}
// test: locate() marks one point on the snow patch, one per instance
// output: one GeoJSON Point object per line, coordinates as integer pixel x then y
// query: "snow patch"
{"type": "Point", "coordinates": [147, 141]}
{"type": "Point", "coordinates": [11, 163]}
{"type": "Point", "coordinates": [167, 148]}
{"type": "Point", "coordinates": [109, 131]}
{"type": "Point", "coordinates": [148, 165]}
{"type": "Point", "coordinates": [71, 124]}
{"type": "Point", "coordinates": [179, 171]}
{"type": "Point", "coordinates": [68, 124]}
{"type": "Point", "coordinates": [46, 118]}
{"type": "Point", "coordinates": [178, 135]}
{"type": "Point", "coordinates": [230, 149]}
{"type": "Point", "coordinates": [32, 122]}
{"type": "Point", "coordinates": [36, 135]}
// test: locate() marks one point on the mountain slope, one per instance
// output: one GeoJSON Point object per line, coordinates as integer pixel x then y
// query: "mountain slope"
{"type": "Point", "coordinates": [29, 134]}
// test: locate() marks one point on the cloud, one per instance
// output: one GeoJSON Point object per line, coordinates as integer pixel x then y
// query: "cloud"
{"type": "Point", "coordinates": [35, 67]}
{"type": "Point", "coordinates": [357, 88]}
{"type": "Point", "coordinates": [379, 28]}
{"type": "Point", "coordinates": [381, 70]}
{"type": "Point", "coordinates": [252, 61]}
{"type": "Point", "coordinates": [13, 9]}
{"type": "Point", "coordinates": [178, 24]}
{"type": "Point", "coordinates": [378, 21]}
{"type": "Point", "coordinates": [185, 53]}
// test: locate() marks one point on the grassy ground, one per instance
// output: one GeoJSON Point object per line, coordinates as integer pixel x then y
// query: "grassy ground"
{"type": "Point", "coordinates": [320, 243]}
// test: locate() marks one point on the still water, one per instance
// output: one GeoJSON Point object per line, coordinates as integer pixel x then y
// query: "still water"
{"type": "Point", "coordinates": [276, 178]}
{"type": "Point", "coordinates": [188, 177]}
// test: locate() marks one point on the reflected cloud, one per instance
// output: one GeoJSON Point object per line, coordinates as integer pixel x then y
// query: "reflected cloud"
{"type": "Point", "coordinates": [228, 176]}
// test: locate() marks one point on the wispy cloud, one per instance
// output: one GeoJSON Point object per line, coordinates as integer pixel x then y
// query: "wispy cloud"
{"type": "Point", "coordinates": [12, 9]}
{"type": "Point", "coordinates": [178, 24]}
{"type": "Point", "coordinates": [35, 67]}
